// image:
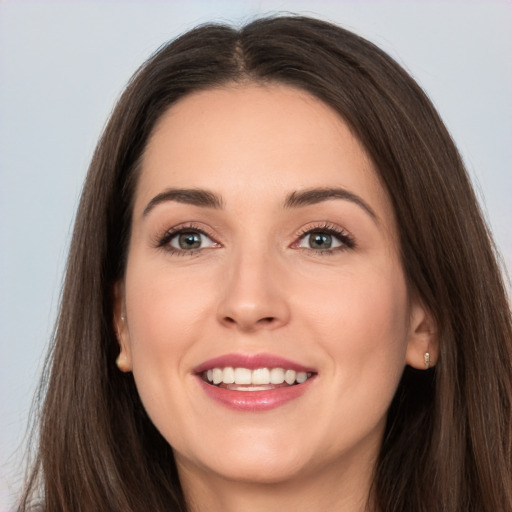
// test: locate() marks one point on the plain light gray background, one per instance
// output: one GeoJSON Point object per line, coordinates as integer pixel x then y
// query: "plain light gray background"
{"type": "Point", "coordinates": [62, 66]}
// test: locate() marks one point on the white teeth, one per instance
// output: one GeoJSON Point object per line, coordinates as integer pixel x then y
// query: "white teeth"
{"type": "Point", "coordinates": [276, 376]}
{"type": "Point", "coordinates": [228, 375]}
{"type": "Point", "coordinates": [243, 376]}
{"type": "Point", "coordinates": [256, 377]}
{"type": "Point", "coordinates": [302, 377]}
{"type": "Point", "coordinates": [248, 388]}
{"type": "Point", "coordinates": [260, 376]}
{"type": "Point", "coordinates": [217, 375]}
{"type": "Point", "coordinates": [289, 376]}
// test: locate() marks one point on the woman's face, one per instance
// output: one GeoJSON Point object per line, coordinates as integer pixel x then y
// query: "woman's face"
{"type": "Point", "coordinates": [263, 248]}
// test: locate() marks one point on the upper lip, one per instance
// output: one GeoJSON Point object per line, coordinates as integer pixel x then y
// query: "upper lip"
{"type": "Point", "coordinates": [252, 361]}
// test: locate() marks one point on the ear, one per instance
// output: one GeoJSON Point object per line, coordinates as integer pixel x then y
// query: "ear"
{"type": "Point", "coordinates": [124, 359]}
{"type": "Point", "coordinates": [423, 346]}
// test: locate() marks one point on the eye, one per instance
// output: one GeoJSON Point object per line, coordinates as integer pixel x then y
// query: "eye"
{"type": "Point", "coordinates": [186, 240]}
{"type": "Point", "coordinates": [189, 240]}
{"type": "Point", "coordinates": [325, 239]}
{"type": "Point", "coordinates": [319, 240]}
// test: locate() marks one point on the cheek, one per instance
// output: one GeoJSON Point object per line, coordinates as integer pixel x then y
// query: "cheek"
{"type": "Point", "coordinates": [363, 319]}
{"type": "Point", "coordinates": [166, 313]}
{"type": "Point", "coordinates": [164, 307]}
{"type": "Point", "coordinates": [361, 324]}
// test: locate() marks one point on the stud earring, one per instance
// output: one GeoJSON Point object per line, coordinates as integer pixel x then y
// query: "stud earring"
{"type": "Point", "coordinates": [121, 364]}
{"type": "Point", "coordinates": [427, 360]}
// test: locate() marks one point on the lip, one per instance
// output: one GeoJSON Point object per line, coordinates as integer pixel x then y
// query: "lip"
{"type": "Point", "coordinates": [253, 401]}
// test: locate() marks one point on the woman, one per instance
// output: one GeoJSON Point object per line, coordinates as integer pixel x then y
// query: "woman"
{"type": "Point", "coordinates": [280, 294]}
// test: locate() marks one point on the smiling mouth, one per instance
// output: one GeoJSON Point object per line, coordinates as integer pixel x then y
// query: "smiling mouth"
{"type": "Point", "coordinates": [259, 379]}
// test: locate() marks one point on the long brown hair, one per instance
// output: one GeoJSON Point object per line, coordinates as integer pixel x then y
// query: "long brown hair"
{"type": "Point", "coordinates": [448, 440]}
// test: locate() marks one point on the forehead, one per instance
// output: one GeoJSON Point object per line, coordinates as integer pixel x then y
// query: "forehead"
{"type": "Point", "coordinates": [255, 141]}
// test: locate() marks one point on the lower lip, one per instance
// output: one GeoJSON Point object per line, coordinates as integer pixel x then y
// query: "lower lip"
{"type": "Point", "coordinates": [255, 401]}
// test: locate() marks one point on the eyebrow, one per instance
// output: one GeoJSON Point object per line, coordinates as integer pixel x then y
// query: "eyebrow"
{"type": "Point", "coordinates": [318, 195]}
{"type": "Point", "coordinates": [196, 197]}
{"type": "Point", "coordinates": [207, 199]}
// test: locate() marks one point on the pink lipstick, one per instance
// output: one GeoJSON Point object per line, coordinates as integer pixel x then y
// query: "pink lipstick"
{"type": "Point", "coordinates": [253, 382]}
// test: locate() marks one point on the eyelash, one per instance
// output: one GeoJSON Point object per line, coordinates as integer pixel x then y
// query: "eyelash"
{"type": "Point", "coordinates": [347, 240]}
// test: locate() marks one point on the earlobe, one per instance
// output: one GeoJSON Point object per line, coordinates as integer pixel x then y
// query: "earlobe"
{"type": "Point", "coordinates": [123, 361]}
{"type": "Point", "coordinates": [423, 346]}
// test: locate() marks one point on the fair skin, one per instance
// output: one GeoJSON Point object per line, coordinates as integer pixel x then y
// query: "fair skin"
{"type": "Point", "coordinates": [254, 272]}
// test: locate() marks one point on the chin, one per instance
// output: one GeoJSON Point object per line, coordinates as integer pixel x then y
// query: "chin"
{"type": "Point", "coordinates": [256, 464]}
{"type": "Point", "coordinates": [259, 471]}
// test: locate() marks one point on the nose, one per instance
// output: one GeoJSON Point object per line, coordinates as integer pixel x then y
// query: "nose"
{"type": "Point", "coordinates": [254, 295]}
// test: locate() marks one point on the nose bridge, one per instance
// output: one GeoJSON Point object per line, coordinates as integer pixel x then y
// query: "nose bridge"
{"type": "Point", "coordinates": [253, 296]}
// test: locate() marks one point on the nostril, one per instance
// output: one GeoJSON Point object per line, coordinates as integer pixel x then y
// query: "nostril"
{"type": "Point", "coordinates": [267, 320]}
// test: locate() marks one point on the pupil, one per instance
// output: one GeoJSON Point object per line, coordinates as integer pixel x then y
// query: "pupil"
{"type": "Point", "coordinates": [320, 241]}
{"type": "Point", "coordinates": [189, 241]}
